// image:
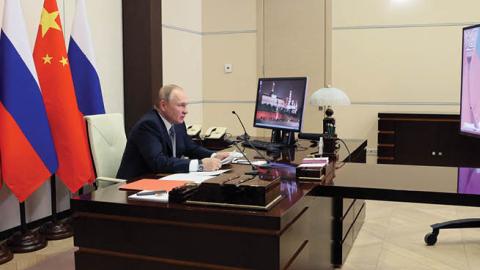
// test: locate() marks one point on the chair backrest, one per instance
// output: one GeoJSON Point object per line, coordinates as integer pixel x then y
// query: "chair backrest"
{"type": "Point", "coordinates": [106, 133]}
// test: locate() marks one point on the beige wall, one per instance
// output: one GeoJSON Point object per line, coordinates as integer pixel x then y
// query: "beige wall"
{"type": "Point", "coordinates": [196, 46]}
{"type": "Point", "coordinates": [294, 44]}
{"type": "Point", "coordinates": [397, 56]}
{"type": "Point", "coordinates": [230, 37]}
{"type": "Point", "coordinates": [182, 51]}
{"type": "Point", "coordinates": [105, 19]}
{"type": "Point", "coordinates": [259, 38]}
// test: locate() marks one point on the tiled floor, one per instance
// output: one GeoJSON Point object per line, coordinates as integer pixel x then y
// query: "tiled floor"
{"type": "Point", "coordinates": [391, 238]}
{"type": "Point", "coordinates": [58, 255]}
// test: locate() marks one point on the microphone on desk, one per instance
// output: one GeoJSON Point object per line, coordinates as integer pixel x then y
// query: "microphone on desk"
{"type": "Point", "coordinates": [245, 135]}
{"type": "Point", "coordinates": [246, 139]}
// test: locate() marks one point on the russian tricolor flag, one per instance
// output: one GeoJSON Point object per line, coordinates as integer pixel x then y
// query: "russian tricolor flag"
{"type": "Point", "coordinates": [27, 152]}
{"type": "Point", "coordinates": [82, 65]}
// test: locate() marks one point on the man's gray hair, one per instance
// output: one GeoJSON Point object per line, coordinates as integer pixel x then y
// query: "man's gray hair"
{"type": "Point", "coordinates": [166, 91]}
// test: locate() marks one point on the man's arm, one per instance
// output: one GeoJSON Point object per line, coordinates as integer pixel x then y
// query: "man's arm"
{"type": "Point", "coordinates": [148, 139]}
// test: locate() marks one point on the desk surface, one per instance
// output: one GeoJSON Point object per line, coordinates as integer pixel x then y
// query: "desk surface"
{"type": "Point", "coordinates": [124, 234]}
{"type": "Point", "coordinates": [405, 183]}
{"type": "Point", "coordinates": [111, 200]}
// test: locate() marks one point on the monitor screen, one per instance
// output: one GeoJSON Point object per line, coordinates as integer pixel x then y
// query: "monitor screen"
{"type": "Point", "coordinates": [470, 93]}
{"type": "Point", "coordinates": [469, 180]}
{"type": "Point", "coordinates": [280, 103]}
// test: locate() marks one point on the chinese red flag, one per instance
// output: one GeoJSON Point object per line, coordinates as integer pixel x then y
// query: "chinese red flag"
{"type": "Point", "coordinates": [75, 166]}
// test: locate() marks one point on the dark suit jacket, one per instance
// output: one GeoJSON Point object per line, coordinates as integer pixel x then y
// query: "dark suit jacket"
{"type": "Point", "coordinates": [149, 149]}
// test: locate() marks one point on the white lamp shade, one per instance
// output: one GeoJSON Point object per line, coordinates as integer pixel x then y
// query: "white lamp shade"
{"type": "Point", "coordinates": [329, 96]}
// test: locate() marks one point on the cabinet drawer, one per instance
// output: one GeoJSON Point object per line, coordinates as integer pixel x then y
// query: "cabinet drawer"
{"type": "Point", "coordinates": [386, 150]}
{"type": "Point", "coordinates": [386, 125]}
{"type": "Point", "coordinates": [386, 137]}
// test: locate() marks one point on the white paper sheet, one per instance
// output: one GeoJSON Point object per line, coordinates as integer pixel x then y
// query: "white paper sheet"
{"type": "Point", "coordinates": [245, 162]}
{"type": "Point", "coordinates": [162, 197]}
{"type": "Point", "coordinates": [233, 155]}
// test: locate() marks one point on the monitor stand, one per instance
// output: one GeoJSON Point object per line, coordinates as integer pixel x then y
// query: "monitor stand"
{"type": "Point", "coordinates": [284, 137]}
{"type": "Point", "coordinates": [276, 136]}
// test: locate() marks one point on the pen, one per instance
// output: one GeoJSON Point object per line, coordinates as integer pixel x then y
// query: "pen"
{"type": "Point", "coordinates": [231, 178]}
{"type": "Point", "coordinates": [245, 180]}
{"type": "Point", "coordinates": [153, 192]}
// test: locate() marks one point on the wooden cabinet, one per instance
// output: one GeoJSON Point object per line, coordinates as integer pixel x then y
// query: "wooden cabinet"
{"type": "Point", "coordinates": [424, 139]}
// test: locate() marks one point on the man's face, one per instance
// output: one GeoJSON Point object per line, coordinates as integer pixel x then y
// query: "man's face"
{"type": "Point", "coordinates": [175, 109]}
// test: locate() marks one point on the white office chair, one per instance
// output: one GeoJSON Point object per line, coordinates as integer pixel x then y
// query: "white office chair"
{"type": "Point", "coordinates": [106, 134]}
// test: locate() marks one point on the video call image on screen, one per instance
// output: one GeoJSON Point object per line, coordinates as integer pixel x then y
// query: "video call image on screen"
{"type": "Point", "coordinates": [280, 103]}
{"type": "Point", "coordinates": [469, 180]}
{"type": "Point", "coordinates": [470, 98]}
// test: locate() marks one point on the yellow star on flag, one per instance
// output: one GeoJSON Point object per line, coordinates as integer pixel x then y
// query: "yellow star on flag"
{"type": "Point", "coordinates": [47, 59]}
{"type": "Point", "coordinates": [47, 21]}
{"type": "Point", "coordinates": [64, 61]}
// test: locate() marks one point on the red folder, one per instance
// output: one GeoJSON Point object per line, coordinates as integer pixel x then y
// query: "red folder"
{"type": "Point", "coordinates": [153, 184]}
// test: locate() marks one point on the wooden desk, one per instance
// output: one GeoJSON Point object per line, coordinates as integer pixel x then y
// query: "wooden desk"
{"type": "Point", "coordinates": [115, 233]}
{"type": "Point", "coordinates": [402, 183]}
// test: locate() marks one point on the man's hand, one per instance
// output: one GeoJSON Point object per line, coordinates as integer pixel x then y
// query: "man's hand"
{"type": "Point", "coordinates": [222, 155]}
{"type": "Point", "coordinates": [211, 164]}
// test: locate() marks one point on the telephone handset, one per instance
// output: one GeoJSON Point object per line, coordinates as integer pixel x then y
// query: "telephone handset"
{"type": "Point", "coordinates": [194, 130]}
{"type": "Point", "coordinates": [215, 133]}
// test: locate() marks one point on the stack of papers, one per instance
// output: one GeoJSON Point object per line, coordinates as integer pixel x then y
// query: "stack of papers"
{"type": "Point", "coordinates": [314, 162]}
{"type": "Point", "coordinates": [196, 177]}
{"type": "Point", "coordinates": [145, 185]}
{"type": "Point", "coordinates": [245, 162]}
{"type": "Point", "coordinates": [152, 184]}
{"type": "Point", "coordinates": [158, 197]}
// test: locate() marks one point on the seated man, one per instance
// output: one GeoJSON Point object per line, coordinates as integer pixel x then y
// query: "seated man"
{"type": "Point", "coordinates": [158, 142]}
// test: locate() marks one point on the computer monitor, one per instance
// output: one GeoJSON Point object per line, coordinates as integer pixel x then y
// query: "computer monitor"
{"type": "Point", "coordinates": [470, 87]}
{"type": "Point", "coordinates": [280, 104]}
{"type": "Point", "coordinates": [468, 180]}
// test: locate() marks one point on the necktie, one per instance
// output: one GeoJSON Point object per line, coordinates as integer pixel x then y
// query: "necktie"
{"type": "Point", "coordinates": [172, 139]}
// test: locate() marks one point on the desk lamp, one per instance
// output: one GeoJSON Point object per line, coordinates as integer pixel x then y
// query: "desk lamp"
{"type": "Point", "coordinates": [327, 97]}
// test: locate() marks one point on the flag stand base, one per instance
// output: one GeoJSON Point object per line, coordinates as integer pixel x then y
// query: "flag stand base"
{"type": "Point", "coordinates": [57, 230]}
{"type": "Point", "coordinates": [26, 241]}
{"type": "Point", "coordinates": [5, 254]}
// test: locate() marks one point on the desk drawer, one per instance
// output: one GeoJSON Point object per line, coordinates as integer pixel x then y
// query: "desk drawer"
{"type": "Point", "coordinates": [124, 237]}
{"type": "Point", "coordinates": [352, 234]}
{"type": "Point", "coordinates": [294, 242]}
{"type": "Point", "coordinates": [349, 219]}
{"type": "Point", "coordinates": [346, 229]}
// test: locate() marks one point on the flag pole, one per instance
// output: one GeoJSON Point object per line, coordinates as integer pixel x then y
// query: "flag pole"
{"type": "Point", "coordinates": [55, 229]}
{"type": "Point", "coordinates": [5, 254]}
{"type": "Point", "coordinates": [26, 240]}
